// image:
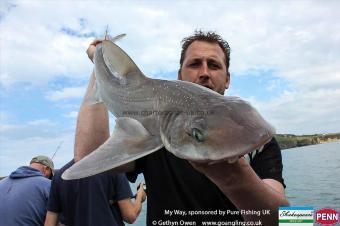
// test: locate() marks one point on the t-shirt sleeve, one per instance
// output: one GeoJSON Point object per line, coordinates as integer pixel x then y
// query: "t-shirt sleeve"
{"type": "Point", "coordinates": [122, 187]}
{"type": "Point", "coordinates": [53, 203]}
{"type": "Point", "coordinates": [139, 164]}
{"type": "Point", "coordinates": [267, 163]}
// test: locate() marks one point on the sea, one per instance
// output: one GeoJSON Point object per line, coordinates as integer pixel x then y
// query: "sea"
{"type": "Point", "coordinates": [311, 174]}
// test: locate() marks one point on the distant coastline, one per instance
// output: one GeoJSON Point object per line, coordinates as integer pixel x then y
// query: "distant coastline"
{"type": "Point", "coordinates": [291, 141]}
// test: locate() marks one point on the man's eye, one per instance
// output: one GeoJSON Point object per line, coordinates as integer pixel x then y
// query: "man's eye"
{"type": "Point", "coordinates": [194, 64]}
{"type": "Point", "coordinates": [214, 66]}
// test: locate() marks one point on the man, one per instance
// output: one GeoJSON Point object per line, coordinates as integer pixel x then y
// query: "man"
{"type": "Point", "coordinates": [24, 193]}
{"type": "Point", "coordinates": [175, 184]}
{"type": "Point", "coordinates": [102, 199]}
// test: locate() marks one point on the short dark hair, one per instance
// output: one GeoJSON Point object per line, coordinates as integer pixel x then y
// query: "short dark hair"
{"type": "Point", "coordinates": [210, 37]}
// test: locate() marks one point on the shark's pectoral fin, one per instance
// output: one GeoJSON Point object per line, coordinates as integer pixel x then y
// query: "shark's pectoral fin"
{"type": "Point", "coordinates": [129, 141]}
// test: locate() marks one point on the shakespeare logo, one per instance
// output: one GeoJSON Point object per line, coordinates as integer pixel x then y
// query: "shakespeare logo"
{"type": "Point", "coordinates": [296, 216]}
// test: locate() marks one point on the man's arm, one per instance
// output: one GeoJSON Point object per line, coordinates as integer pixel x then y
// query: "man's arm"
{"type": "Point", "coordinates": [246, 190]}
{"type": "Point", "coordinates": [131, 210]}
{"type": "Point", "coordinates": [92, 125]}
{"type": "Point", "coordinates": [51, 219]}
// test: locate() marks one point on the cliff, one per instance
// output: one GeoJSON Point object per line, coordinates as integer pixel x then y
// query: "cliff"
{"type": "Point", "coordinates": [291, 141]}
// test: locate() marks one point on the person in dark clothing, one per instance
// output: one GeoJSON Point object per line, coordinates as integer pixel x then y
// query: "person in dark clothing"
{"type": "Point", "coordinates": [102, 199]}
{"type": "Point", "coordinates": [193, 192]}
{"type": "Point", "coordinates": [24, 193]}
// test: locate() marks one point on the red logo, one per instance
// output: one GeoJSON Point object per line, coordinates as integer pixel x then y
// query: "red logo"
{"type": "Point", "coordinates": [327, 216]}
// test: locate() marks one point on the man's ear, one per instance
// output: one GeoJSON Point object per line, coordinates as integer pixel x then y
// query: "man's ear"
{"type": "Point", "coordinates": [46, 172]}
{"type": "Point", "coordinates": [44, 169]}
{"type": "Point", "coordinates": [179, 75]}
{"type": "Point", "coordinates": [227, 80]}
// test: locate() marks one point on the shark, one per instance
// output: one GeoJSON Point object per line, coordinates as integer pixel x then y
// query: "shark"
{"type": "Point", "coordinates": [189, 120]}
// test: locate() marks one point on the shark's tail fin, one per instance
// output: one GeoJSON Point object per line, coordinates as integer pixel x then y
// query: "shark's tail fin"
{"type": "Point", "coordinates": [112, 64]}
{"type": "Point", "coordinates": [119, 63]}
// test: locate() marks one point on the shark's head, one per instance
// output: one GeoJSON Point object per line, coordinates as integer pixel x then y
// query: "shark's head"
{"type": "Point", "coordinates": [224, 128]}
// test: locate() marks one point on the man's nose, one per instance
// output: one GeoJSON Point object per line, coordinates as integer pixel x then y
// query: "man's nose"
{"type": "Point", "coordinates": [204, 72]}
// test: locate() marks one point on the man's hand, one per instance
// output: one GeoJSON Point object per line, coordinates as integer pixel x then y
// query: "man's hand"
{"type": "Point", "coordinates": [51, 219]}
{"type": "Point", "coordinates": [217, 171]}
{"type": "Point", "coordinates": [92, 48]}
{"type": "Point", "coordinates": [141, 192]}
{"type": "Point", "coordinates": [130, 210]}
{"type": "Point", "coordinates": [241, 185]}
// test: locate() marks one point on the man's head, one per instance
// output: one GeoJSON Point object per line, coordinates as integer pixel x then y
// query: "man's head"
{"type": "Point", "coordinates": [205, 60]}
{"type": "Point", "coordinates": [44, 164]}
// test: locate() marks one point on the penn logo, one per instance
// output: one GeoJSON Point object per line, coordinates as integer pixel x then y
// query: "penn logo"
{"type": "Point", "coordinates": [327, 216]}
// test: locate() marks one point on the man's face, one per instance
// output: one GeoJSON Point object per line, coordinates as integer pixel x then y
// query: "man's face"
{"type": "Point", "coordinates": [204, 64]}
{"type": "Point", "coordinates": [47, 172]}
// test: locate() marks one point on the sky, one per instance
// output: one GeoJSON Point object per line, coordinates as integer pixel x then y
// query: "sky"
{"type": "Point", "coordinates": [285, 60]}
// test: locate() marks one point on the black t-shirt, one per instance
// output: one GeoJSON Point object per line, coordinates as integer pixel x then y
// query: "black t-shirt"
{"type": "Point", "coordinates": [86, 202]}
{"type": "Point", "coordinates": [174, 185]}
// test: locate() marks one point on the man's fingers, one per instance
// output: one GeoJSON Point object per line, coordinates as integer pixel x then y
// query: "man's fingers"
{"type": "Point", "coordinates": [96, 42]}
{"type": "Point", "coordinates": [92, 48]}
{"type": "Point", "coordinates": [140, 186]}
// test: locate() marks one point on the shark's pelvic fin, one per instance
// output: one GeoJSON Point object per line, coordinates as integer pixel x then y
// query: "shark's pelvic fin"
{"type": "Point", "coordinates": [114, 39]}
{"type": "Point", "coordinates": [129, 141]}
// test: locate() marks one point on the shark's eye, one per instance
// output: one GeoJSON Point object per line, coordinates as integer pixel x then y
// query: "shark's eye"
{"type": "Point", "coordinates": [197, 134]}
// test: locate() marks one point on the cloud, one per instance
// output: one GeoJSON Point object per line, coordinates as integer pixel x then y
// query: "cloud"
{"type": "Point", "coordinates": [72, 114]}
{"type": "Point", "coordinates": [66, 93]}
{"type": "Point", "coordinates": [21, 142]}
{"type": "Point", "coordinates": [38, 128]}
{"type": "Point", "coordinates": [315, 77]}
{"type": "Point", "coordinates": [282, 36]}
{"type": "Point", "coordinates": [38, 52]}
{"type": "Point", "coordinates": [71, 32]}
{"type": "Point", "coordinates": [15, 153]}
{"type": "Point", "coordinates": [295, 42]}
{"type": "Point", "coordinates": [303, 112]}
{"type": "Point", "coordinates": [5, 7]}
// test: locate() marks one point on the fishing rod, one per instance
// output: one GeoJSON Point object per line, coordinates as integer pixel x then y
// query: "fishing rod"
{"type": "Point", "coordinates": [56, 150]}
